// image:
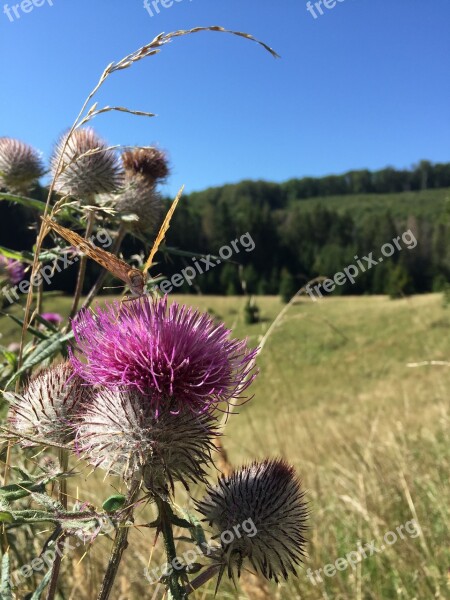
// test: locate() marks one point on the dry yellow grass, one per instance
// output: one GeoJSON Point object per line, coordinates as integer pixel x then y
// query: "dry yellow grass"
{"type": "Point", "coordinates": [367, 433]}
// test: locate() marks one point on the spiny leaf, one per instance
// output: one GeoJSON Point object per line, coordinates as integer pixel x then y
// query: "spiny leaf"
{"type": "Point", "coordinates": [46, 349]}
{"type": "Point", "coordinates": [41, 587]}
{"type": "Point", "coordinates": [33, 330]}
{"type": "Point", "coordinates": [5, 590]}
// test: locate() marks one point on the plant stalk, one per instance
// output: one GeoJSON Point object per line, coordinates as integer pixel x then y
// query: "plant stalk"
{"type": "Point", "coordinates": [82, 269]}
{"type": "Point", "coordinates": [120, 544]}
{"type": "Point", "coordinates": [176, 591]}
{"type": "Point", "coordinates": [59, 547]}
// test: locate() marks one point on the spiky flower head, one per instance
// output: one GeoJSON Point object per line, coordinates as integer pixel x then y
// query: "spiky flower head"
{"type": "Point", "coordinates": [86, 165]}
{"type": "Point", "coordinates": [48, 406]}
{"type": "Point", "coordinates": [171, 354]}
{"type": "Point", "coordinates": [140, 201]}
{"type": "Point", "coordinates": [150, 162]}
{"type": "Point", "coordinates": [122, 433]}
{"type": "Point", "coordinates": [11, 270]}
{"type": "Point", "coordinates": [260, 514]}
{"type": "Point", "coordinates": [20, 165]}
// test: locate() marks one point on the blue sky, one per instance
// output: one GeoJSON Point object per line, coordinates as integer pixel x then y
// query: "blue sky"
{"type": "Point", "coordinates": [364, 85]}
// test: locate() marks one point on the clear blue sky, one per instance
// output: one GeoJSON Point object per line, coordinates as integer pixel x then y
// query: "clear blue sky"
{"type": "Point", "coordinates": [366, 84]}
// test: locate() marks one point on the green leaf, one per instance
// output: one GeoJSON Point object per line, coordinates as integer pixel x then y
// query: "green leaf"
{"type": "Point", "coordinates": [16, 255]}
{"type": "Point", "coordinates": [35, 332]}
{"type": "Point", "coordinates": [46, 323]}
{"type": "Point", "coordinates": [16, 491]}
{"type": "Point", "coordinates": [47, 502]}
{"type": "Point", "coordinates": [29, 202]}
{"type": "Point", "coordinates": [5, 589]}
{"type": "Point", "coordinates": [46, 349]}
{"type": "Point", "coordinates": [114, 503]}
{"type": "Point", "coordinates": [41, 587]}
{"type": "Point", "coordinates": [6, 517]}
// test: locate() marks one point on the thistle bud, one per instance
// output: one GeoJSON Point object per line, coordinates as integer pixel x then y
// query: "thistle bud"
{"type": "Point", "coordinates": [85, 166]}
{"type": "Point", "coordinates": [122, 433]}
{"type": "Point", "coordinates": [20, 165]}
{"type": "Point", "coordinates": [260, 514]}
{"type": "Point", "coordinates": [49, 405]}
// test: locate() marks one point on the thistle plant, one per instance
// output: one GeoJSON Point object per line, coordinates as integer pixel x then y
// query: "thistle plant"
{"type": "Point", "coordinates": [20, 166]}
{"type": "Point", "coordinates": [144, 169]}
{"type": "Point", "coordinates": [83, 165]}
{"type": "Point", "coordinates": [11, 271]}
{"type": "Point", "coordinates": [138, 390]}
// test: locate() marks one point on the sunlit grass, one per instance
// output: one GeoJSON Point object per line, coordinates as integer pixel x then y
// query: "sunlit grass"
{"type": "Point", "coordinates": [367, 433]}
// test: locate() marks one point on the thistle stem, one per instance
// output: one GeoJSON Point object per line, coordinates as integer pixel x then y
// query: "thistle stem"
{"type": "Point", "coordinates": [82, 269]}
{"type": "Point", "coordinates": [59, 548]}
{"type": "Point", "coordinates": [120, 544]}
{"type": "Point", "coordinates": [101, 278]}
{"type": "Point", "coordinates": [165, 524]}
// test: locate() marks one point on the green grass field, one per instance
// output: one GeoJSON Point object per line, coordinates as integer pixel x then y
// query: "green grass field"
{"type": "Point", "coordinates": [368, 434]}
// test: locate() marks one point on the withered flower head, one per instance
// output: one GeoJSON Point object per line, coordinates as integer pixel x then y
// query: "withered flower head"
{"type": "Point", "coordinates": [150, 162]}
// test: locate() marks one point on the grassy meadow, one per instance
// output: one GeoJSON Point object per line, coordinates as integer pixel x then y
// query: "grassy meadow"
{"type": "Point", "coordinates": [368, 434]}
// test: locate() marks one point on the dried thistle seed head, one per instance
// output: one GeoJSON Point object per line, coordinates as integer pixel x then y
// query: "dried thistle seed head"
{"type": "Point", "coordinates": [149, 162]}
{"type": "Point", "coordinates": [49, 405]}
{"type": "Point", "coordinates": [260, 514]}
{"type": "Point", "coordinates": [122, 433]}
{"type": "Point", "coordinates": [20, 165]}
{"type": "Point", "coordinates": [140, 198]}
{"type": "Point", "coordinates": [87, 166]}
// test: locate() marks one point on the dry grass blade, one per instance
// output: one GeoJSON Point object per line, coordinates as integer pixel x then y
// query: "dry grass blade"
{"type": "Point", "coordinates": [162, 232]}
{"type": "Point", "coordinates": [93, 113]}
{"type": "Point", "coordinates": [164, 38]}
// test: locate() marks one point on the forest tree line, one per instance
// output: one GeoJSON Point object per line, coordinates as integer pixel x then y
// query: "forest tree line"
{"type": "Point", "coordinates": [293, 244]}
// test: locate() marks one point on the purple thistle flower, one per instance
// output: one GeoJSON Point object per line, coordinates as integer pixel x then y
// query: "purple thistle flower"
{"type": "Point", "coordinates": [268, 497]}
{"type": "Point", "coordinates": [171, 354]}
{"type": "Point", "coordinates": [49, 405]}
{"type": "Point", "coordinates": [123, 434]}
{"type": "Point", "coordinates": [53, 318]}
{"type": "Point", "coordinates": [12, 269]}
